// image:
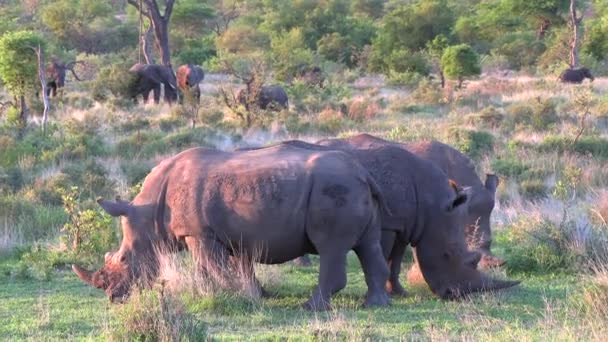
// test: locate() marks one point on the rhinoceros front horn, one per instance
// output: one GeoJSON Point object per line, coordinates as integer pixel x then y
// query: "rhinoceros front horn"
{"type": "Point", "coordinates": [84, 275]}
{"type": "Point", "coordinates": [482, 284]}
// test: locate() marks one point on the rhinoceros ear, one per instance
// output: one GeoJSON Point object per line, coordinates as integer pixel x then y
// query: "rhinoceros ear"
{"type": "Point", "coordinates": [116, 208]}
{"type": "Point", "coordinates": [492, 182]}
{"type": "Point", "coordinates": [462, 197]}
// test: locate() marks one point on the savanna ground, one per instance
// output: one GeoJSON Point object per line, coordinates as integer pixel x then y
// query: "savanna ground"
{"type": "Point", "coordinates": [547, 142]}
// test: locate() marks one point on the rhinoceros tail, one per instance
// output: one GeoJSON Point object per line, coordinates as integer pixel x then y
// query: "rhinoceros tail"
{"type": "Point", "coordinates": [378, 196]}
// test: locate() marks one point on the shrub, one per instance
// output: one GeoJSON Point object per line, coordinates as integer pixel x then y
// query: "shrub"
{"type": "Point", "coordinates": [460, 61]}
{"type": "Point", "coordinates": [135, 170]}
{"type": "Point", "coordinates": [152, 315]}
{"type": "Point", "coordinates": [170, 123]}
{"type": "Point", "coordinates": [540, 114]}
{"type": "Point", "coordinates": [11, 179]}
{"type": "Point", "coordinates": [428, 93]}
{"type": "Point", "coordinates": [90, 177]}
{"type": "Point", "coordinates": [48, 190]}
{"type": "Point", "coordinates": [595, 146]}
{"type": "Point", "coordinates": [533, 188]}
{"type": "Point", "coordinates": [362, 109]}
{"type": "Point", "coordinates": [489, 117]}
{"type": "Point", "coordinates": [87, 232]}
{"type": "Point", "coordinates": [539, 245]}
{"type": "Point", "coordinates": [509, 167]}
{"type": "Point", "coordinates": [330, 121]}
{"type": "Point", "coordinates": [473, 143]}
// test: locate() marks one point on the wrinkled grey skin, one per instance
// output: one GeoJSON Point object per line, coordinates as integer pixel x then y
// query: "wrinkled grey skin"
{"type": "Point", "coordinates": [575, 75]}
{"type": "Point", "coordinates": [269, 205]}
{"type": "Point", "coordinates": [461, 169]}
{"type": "Point", "coordinates": [427, 212]}
{"type": "Point", "coordinates": [188, 78]}
{"type": "Point", "coordinates": [148, 78]}
{"type": "Point", "coordinates": [270, 97]}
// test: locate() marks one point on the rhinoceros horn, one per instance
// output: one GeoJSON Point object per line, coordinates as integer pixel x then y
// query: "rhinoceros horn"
{"type": "Point", "coordinates": [85, 275]}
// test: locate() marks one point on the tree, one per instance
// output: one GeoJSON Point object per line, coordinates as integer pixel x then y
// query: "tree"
{"type": "Point", "coordinates": [460, 61]}
{"type": "Point", "coordinates": [160, 24]}
{"type": "Point", "coordinates": [575, 22]}
{"type": "Point", "coordinates": [541, 13]}
{"type": "Point", "coordinates": [435, 49]}
{"type": "Point", "coordinates": [19, 66]}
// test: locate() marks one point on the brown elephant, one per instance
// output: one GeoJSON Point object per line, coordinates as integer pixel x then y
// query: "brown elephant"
{"type": "Point", "coordinates": [188, 78]}
{"type": "Point", "coordinates": [55, 75]}
{"type": "Point", "coordinates": [149, 78]}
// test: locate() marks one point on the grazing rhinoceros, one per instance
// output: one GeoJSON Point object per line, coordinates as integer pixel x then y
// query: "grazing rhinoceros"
{"type": "Point", "coordinates": [461, 169]}
{"type": "Point", "coordinates": [276, 203]}
{"type": "Point", "coordinates": [457, 167]}
{"type": "Point", "coordinates": [428, 212]}
{"type": "Point", "coordinates": [271, 97]}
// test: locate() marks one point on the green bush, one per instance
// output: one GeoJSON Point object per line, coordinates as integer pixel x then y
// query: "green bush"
{"type": "Point", "coordinates": [590, 145]}
{"type": "Point", "coordinates": [473, 143]}
{"type": "Point", "coordinates": [168, 124]}
{"type": "Point", "coordinates": [489, 117]}
{"type": "Point", "coordinates": [40, 262]}
{"type": "Point", "coordinates": [11, 179]}
{"type": "Point", "coordinates": [539, 115]}
{"type": "Point", "coordinates": [533, 188]}
{"type": "Point", "coordinates": [90, 177]}
{"type": "Point", "coordinates": [135, 170]}
{"type": "Point", "coordinates": [538, 245]}
{"type": "Point", "coordinates": [428, 93]}
{"type": "Point", "coordinates": [509, 167]}
{"type": "Point", "coordinates": [48, 190]}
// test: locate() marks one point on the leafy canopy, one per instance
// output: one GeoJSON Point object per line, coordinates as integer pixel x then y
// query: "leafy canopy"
{"type": "Point", "coordinates": [18, 61]}
{"type": "Point", "coordinates": [459, 61]}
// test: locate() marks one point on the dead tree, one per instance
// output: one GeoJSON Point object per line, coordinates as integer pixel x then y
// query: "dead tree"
{"type": "Point", "coordinates": [575, 22]}
{"type": "Point", "coordinates": [159, 23]}
{"type": "Point", "coordinates": [43, 84]}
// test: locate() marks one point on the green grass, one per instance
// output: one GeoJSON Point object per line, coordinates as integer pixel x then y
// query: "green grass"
{"type": "Point", "coordinates": [66, 308]}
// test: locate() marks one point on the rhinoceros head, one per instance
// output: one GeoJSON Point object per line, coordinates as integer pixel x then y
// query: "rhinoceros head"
{"type": "Point", "coordinates": [135, 259]}
{"type": "Point", "coordinates": [447, 265]}
{"type": "Point", "coordinates": [477, 225]}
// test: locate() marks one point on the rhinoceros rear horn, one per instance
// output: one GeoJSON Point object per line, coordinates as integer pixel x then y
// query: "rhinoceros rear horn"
{"type": "Point", "coordinates": [116, 208]}
{"type": "Point", "coordinates": [84, 275]}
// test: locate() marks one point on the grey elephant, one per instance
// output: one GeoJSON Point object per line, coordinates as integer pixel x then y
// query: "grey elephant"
{"type": "Point", "coordinates": [269, 97]}
{"type": "Point", "coordinates": [188, 78]}
{"type": "Point", "coordinates": [575, 75]}
{"type": "Point", "coordinates": [148, 78]}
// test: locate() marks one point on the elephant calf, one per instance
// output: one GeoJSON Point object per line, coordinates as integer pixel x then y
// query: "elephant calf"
{"type": "Point", "coordinates": [188, 78]}
{"type": "Point", "coordinates": [269, 97]}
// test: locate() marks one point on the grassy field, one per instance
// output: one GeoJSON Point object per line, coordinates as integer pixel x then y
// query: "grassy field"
{"type": "Point", "coordinates": [548, 143]}
{"type": "Point", "coordinates": [65, 308]}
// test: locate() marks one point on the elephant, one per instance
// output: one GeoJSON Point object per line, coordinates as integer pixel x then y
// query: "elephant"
{"type": "Point", "coordinates": [575, 75]}
{"type": "Point", "coordinates": [270, 206]}
{"type": "Point", "coordinates": [188, 78]}
{"type": "Point", "coordinates": [55, 75]}
{"type": "Point", "coordinates": [271, 97]}
{"type": "Point", "coordinates": [149, 77]}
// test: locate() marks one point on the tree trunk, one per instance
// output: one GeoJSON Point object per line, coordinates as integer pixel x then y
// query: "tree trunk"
{"type": "Point", "coordinates": [575, 22]}
{"type": "Point", "coordinates": [442, 77]}
{"type": "Point", "coordinates": [542, 29]}
{"type": "Point", "coordinates": [42, 78]}
{"type": "Point", "coordinates": [146, 44]}
{"type": "Point", "coordinates": [22, 111]}
{"type": "Point", "coordinates": [159, 23]}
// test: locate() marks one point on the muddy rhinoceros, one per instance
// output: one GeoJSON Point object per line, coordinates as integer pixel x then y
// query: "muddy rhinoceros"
{"type": "Point", "coordinates": [428, 212]}
{"type": "Point", "coordinates": [277, 203]}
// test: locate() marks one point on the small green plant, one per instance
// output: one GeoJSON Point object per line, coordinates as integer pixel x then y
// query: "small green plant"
{"type": "Point", "coordinates": [509, 167]}
{"type": "Point", "coordinates": [87, 231]}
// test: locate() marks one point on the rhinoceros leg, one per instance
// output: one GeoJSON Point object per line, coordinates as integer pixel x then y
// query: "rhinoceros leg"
{"type": "Point", "coordinates": [376, 272]}
{"type": "Point", "coordinates": [332, 278]}
{"type": "Point", "coordinates": [393, 285]}
{"type": "Point", "coordinates": [211, 258]}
